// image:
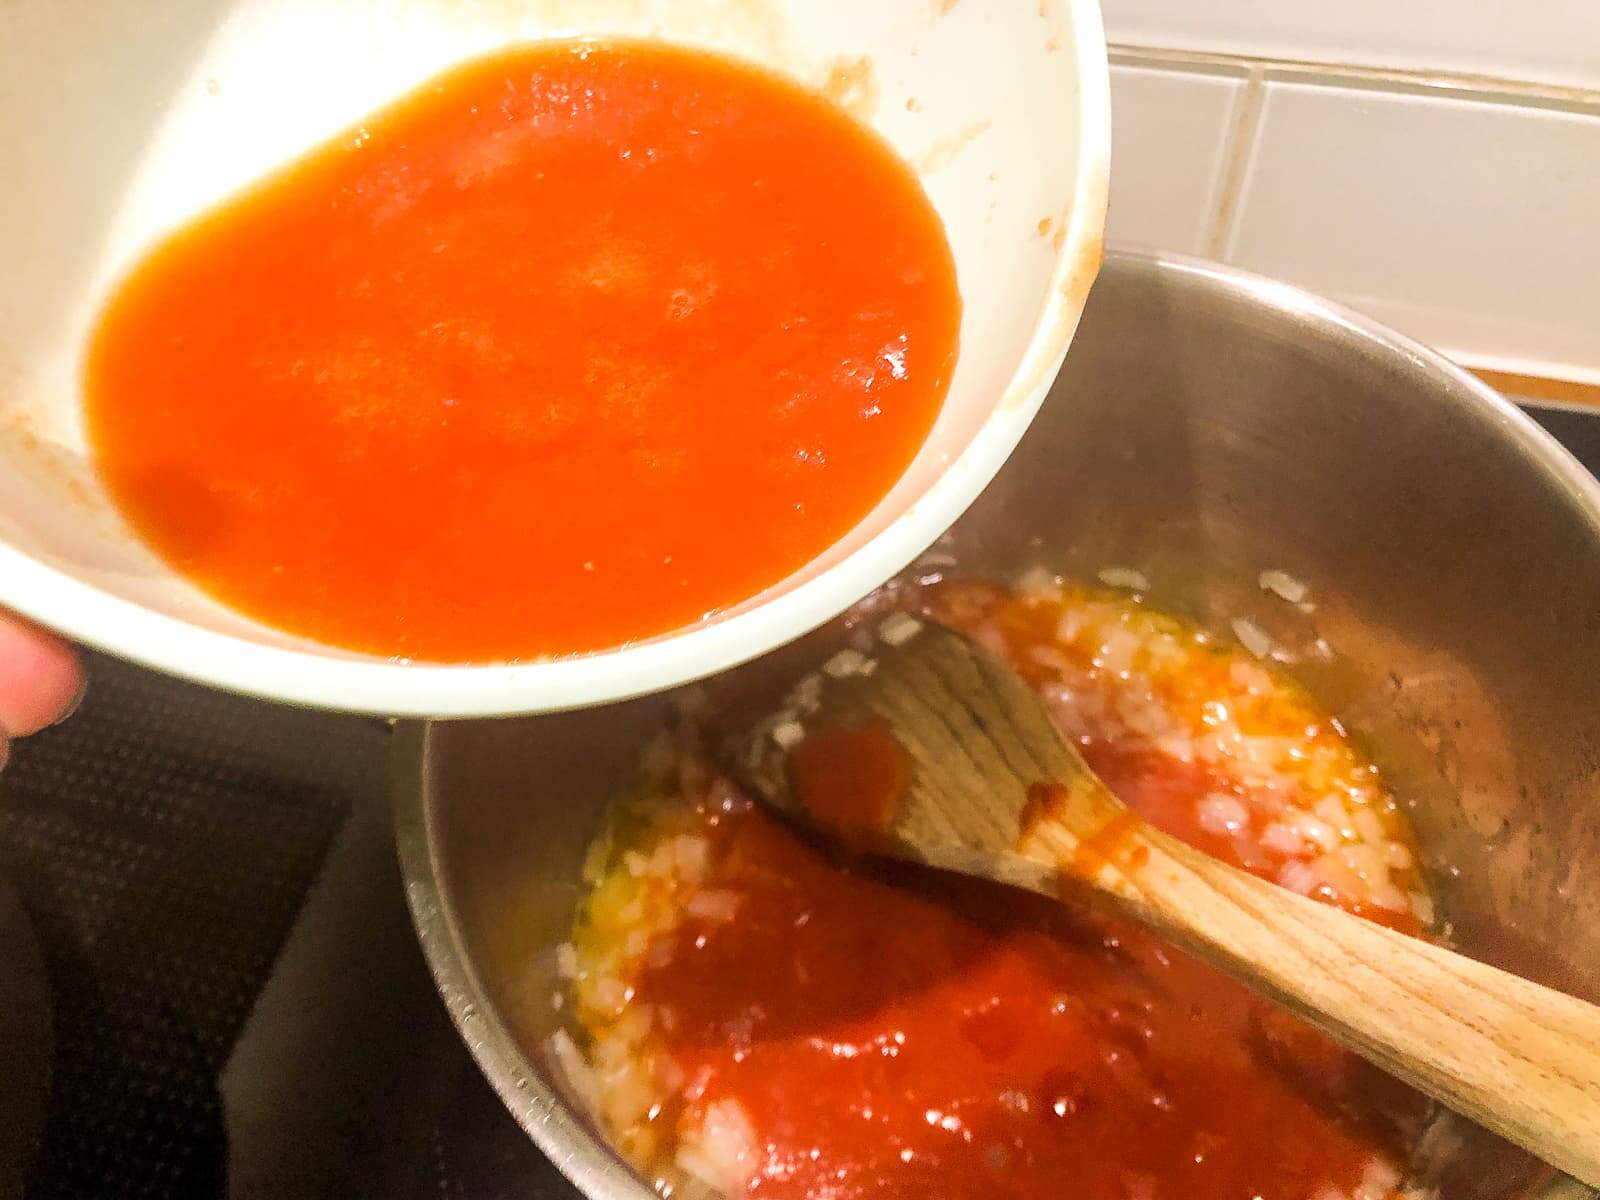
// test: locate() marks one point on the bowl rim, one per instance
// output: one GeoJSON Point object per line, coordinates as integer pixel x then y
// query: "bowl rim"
{"type": "Point", "coordinates": [566, 1137]}
{"type": "Point", "coordinates": [339, 680]}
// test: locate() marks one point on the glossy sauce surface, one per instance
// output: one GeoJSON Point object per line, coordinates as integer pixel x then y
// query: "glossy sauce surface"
{"type": "Point", "coordinates": [892, 1033]}
{"type": "Point", "coordinates": [896, 1035]}
{"type": "Point", "coordinates": [850, 781]}
{"type": "Point", "coordinates": [571, 347]}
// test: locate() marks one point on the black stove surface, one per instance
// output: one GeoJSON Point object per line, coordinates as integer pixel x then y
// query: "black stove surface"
{"type": "Point", "coordinates": [238, 1006]}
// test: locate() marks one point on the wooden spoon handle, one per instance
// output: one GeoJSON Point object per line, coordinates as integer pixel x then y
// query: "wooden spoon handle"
{"type": "Point", "coordinates": [1518, 1058]}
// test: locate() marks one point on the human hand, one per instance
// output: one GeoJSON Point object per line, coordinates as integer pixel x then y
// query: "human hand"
{"type": "Point", "coordinates": [41, 680]}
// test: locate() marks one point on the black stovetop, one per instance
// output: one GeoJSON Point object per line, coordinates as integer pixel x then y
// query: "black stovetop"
{"type": "Point", "coordinates": [237, 1003]}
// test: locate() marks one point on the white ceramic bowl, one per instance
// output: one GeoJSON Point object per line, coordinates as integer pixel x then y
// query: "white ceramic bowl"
{"type": "Point", "coordinates": [125, 118]}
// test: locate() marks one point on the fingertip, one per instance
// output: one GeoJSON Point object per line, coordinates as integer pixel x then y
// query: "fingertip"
{"type": "Point", "coordinates": [41, 677]}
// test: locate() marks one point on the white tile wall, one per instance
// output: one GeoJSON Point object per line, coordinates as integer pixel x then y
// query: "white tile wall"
{"type": "Point", "coordinates": [1471, 223]}
{"type": "Point", "coordinates": [1553, 41]}
{"type": "Point", "coordinates": [1170, 146]}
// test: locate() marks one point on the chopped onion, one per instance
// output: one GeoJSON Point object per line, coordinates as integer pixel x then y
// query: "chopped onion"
{"type": "Point", "coordinates": [1252, 637]}
{"type": "Point", "coordinates": [1124, 577]}
{"type": "Point", "coordinates": [1283, 585]}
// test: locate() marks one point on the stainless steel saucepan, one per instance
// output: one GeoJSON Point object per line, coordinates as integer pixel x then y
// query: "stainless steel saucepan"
{"type": "Point", "coordinates": [1209, 425]}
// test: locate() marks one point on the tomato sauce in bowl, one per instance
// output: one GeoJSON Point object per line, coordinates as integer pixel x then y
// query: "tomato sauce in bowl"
{"type": "Point", "coordinates": [574, 346]}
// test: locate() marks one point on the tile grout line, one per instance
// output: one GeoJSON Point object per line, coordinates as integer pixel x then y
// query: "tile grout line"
{"type": "Point", "coordinates": [1239, 150]}
{"type": "Point", "coordinates": [1558, 96]}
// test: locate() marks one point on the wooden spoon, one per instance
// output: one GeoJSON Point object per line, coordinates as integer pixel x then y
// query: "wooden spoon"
{"type": "Point", "coordinates": [935, 751]}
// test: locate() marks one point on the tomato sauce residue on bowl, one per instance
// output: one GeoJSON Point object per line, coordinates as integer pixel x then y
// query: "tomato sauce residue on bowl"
{"type": "Point", "coordinates": [573, 346]}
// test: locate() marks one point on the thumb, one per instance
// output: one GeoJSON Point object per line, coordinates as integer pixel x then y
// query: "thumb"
{"type": "Point", "coordinates": [41, 679]}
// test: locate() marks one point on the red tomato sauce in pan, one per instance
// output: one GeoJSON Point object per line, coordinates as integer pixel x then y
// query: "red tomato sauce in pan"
{"type": "Point", "coordinates": [848, 1028]}
{"type": "Point", "coordinates": [573, 346]}
{"type": "Point", "coordinates": [921, 1036]}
